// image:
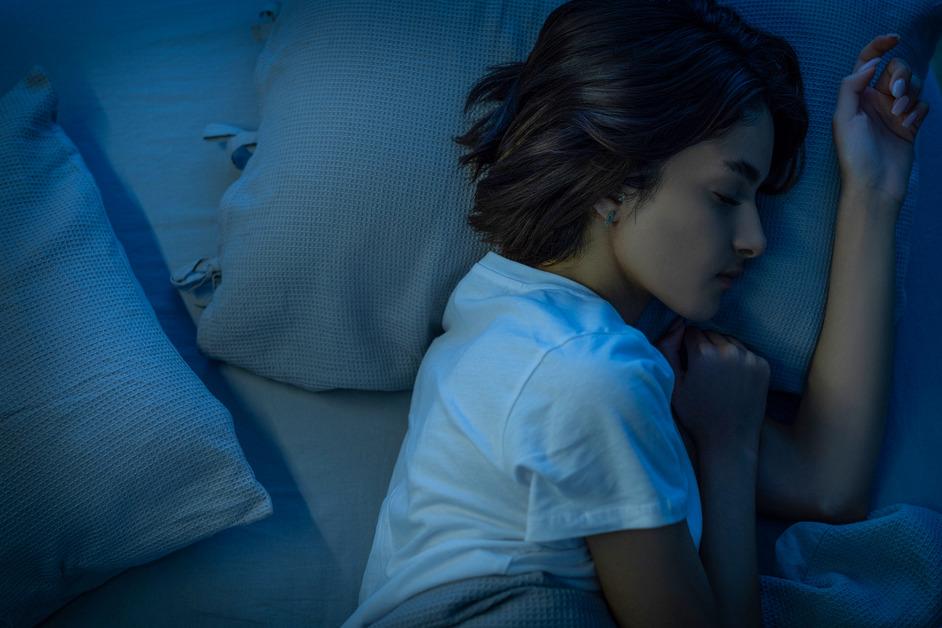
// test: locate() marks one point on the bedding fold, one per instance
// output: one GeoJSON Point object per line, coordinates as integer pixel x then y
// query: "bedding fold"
{"type": "Point", "coordinates": [885, 571]}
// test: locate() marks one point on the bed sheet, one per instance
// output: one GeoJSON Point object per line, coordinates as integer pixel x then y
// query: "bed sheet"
{"type": "Point", "coordinates": [137, 83]}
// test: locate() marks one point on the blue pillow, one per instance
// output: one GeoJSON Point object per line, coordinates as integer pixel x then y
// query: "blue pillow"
{"type": "Point", "coordinates": [112, 452]}
{"type": "Point", "coordinates": [346, 233]}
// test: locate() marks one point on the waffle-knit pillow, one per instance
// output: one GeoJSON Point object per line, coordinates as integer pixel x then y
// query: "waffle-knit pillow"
{"type": "Point", "coordinates": [346, 233]}
{"type": "Point", "coordinates": [112, 452]}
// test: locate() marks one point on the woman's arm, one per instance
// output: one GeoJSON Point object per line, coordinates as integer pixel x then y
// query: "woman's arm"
{"type": "Point", "coordinates": [841, 418]}
{"type": "Point", "coordinates": [728, 544]}
{"type": "Point", "coordinates": [822, 465]}
{"type": "Point", "coordinates": [655, 576]}
{"type": "Point", "coordinates": [827, 458]}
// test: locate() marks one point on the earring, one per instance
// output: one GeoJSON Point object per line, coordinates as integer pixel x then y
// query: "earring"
{"type": "Point", "coordinates": [611, 215]}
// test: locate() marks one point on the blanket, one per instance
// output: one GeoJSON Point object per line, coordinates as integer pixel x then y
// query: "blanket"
{"type": "Point", "coordinates": [881, 572]}
{"type": "Point", "coordinates": [536, 598]}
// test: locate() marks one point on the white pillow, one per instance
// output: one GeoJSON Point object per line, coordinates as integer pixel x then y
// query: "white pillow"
{"type": "Point", "coordinates": [346, 233]}
{"type": "Point", "coordinates": [112, 452]}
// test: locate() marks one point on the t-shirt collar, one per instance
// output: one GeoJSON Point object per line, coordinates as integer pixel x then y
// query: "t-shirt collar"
{"type": "Point", "coordinates": [531, 275]}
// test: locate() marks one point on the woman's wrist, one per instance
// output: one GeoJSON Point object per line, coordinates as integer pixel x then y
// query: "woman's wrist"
{"type": "Point", "coordinates": [861, 199]}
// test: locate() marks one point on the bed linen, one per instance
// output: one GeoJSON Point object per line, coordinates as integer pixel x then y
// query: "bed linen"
{"type": "Point", "coordinates": [536, 598]}
{"type": "Point", "coordinates": [112, 452]}
{"type": "Point", "coordinates": [884, 572]}
{"type": "Point", "coordinates": [138, 83]}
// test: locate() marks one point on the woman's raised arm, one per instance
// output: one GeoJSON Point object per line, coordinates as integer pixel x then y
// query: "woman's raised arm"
{"type": "Point", "coordinates": [838, 431]}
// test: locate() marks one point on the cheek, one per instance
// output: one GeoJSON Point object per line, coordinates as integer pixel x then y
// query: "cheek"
{"type": "Point", "coordinates": [677, 251]}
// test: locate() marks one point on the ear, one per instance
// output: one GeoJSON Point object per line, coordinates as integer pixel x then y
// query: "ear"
{"type": "Point", "coordinates": [606, 204]}
{"type": "Point", "coordinates": [603, 206]}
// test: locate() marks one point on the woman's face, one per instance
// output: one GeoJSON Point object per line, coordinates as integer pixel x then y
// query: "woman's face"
{"type": "Point", "coordinates": [680, 239]}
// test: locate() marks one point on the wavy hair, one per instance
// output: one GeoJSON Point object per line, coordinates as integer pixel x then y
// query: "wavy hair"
{"type": "Point", "coordinates": [611, 90]}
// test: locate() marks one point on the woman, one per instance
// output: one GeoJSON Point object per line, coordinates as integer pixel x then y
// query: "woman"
{"type": "Point", "coordinates": [623, 161]}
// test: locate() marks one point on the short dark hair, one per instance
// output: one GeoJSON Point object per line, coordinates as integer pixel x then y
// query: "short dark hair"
{"type": "Point", "coordinates": [611, 90]}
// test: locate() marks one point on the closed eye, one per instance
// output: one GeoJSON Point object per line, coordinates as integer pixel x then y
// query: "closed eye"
{"type": "Point", "coordinates": [726, 200]}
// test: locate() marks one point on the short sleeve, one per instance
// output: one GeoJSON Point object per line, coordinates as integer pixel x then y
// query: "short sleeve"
{"type": "Point", "coordinates": [592, 437]}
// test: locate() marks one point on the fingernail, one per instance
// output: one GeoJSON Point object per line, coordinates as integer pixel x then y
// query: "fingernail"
{"type": "Point", "coordinates": [896, 35]}
{"type": "Point", "coordinates": [869, 64]}
{"type": "Point", "coordinates": [900, 105]}
{"type": "Point", "coordinates": [898, 86]}
{"type": "Point", "coordinates": [909, 119]}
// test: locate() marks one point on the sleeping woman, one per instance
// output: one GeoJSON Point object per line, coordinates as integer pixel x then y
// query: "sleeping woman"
{"type": "Point", "coordinates": [546, 434]}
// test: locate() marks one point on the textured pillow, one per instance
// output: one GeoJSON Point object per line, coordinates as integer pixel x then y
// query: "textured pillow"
{"type": "Point", "coordinates": [112, 452]}
{"type": "Point", "coordinates": [346, 233]}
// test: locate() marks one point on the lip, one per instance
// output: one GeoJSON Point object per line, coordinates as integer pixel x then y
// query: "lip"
{"type": "Point", "coordinates": [725, 280]}
{"type": "Point", "coordinates": [733, 274]}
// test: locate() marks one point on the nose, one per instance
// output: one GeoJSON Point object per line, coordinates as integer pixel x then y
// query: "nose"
{"type": "Point", "coordinates": [750, 239]}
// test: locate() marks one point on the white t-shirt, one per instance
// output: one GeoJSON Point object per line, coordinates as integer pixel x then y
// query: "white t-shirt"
{"type": "Point", "coordinates": [538, 417]}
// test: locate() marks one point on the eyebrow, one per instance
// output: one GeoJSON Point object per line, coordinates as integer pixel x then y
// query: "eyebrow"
{"type": "Point", "coordinates": [743, 168]}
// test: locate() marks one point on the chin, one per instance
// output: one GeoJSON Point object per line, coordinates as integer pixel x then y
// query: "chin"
{"type": "Point", "coordinates": [694, 310]}
{"type": "Point", "coordinates": [698, 313]}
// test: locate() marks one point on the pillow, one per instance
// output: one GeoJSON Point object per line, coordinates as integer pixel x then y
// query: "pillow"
{"type": "Point", "coordinates": [112, 452]}
{"type": "Point", "coordinates": [346, 232]}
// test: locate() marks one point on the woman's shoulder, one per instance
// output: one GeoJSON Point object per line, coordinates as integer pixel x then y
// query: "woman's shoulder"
{"type": "Point", "coordinates": [606, 348]}
{"type": "Point", "coordinates": [591, 388]}
{"type": "Point", "coordinates": [602, 365]}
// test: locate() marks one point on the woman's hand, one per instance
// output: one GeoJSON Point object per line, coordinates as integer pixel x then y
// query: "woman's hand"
{"type": "Point", "coordinates": [874, 149]}
{"type": "Point", "coordinates": [719, 399]}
